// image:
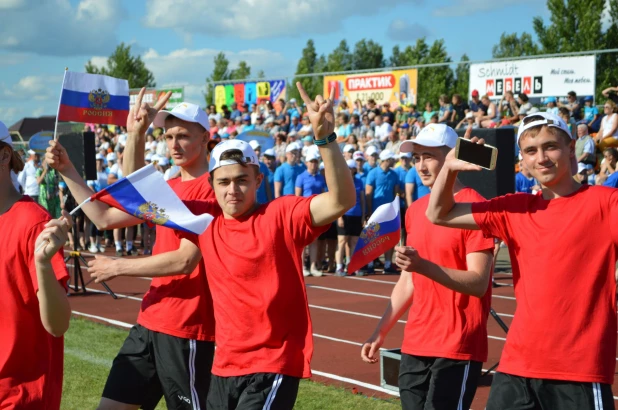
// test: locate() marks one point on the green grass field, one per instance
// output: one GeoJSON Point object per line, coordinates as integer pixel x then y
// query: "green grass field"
{"type": "Point", "coordinates": [91, 347]}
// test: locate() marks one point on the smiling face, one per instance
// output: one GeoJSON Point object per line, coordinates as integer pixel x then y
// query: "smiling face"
{"type": "Point", "coordinates": [428, 162]}
{"type": "Point", "coordinates": [235, 188]}
{"type": "Point", "coordinates": [186, 141]}
{"type": "Point", "coordinates": [547, 153]}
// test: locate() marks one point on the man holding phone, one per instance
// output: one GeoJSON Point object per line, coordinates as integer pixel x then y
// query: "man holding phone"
{"type": "Point", "coordinates": [445, 339]}
{"type": "Point", "coordinates": [560, 350]}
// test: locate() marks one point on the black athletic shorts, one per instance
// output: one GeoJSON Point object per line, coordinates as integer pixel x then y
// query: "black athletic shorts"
{"type": "Point", "coordinates": [352, 226]}
{"type": "Point", "coordinates": [151, 365]}
{"type": "Point", "coordinates": [437, 383]}
{"type": "Point", "coordinates": [330, 234]}
{"type": "Point", "coordinates": [510, 392]}
{"type": "Point", "coordinates": [267, 391]}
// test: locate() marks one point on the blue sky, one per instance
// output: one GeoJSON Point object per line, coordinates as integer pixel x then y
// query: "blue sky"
{"type": "Point", "coordinates": [179, 38]}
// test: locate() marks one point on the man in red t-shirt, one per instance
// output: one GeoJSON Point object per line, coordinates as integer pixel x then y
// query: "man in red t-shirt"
{"type": "Point", "coordinates": [560, 350]}
{"type": "Point", "coordinates": [445, 339]}
{"type": "Point", "coordinates": [169, 352]}
{"type": "Point", "coordinates": [253, 256]}
{"type": "Point", "coordinates": [35, 312]}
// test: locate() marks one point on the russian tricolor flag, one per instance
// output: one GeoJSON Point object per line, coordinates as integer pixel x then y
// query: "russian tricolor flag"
{"type": "Point", "coordinates": [146, 195]}
{"type": "Point", "coordinates": [94, 98]}
{"type": "Point", "coordinates": [382, 232]}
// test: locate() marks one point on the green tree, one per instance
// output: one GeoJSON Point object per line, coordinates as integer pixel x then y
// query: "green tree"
{"type": "Point", "coordinates": [242, 72]}
{"type": "Point", "coordinates": [607, 64]}
{"type": "Point", "coordinates": [462, 78]}
{"type": "Point", "coordinates": [397, 58]}
{"type": "Point", "coordinates": [340, 59]}
{"type": "Point", "coordinates": [511, 45]}
{"type": "Point", "coordinates": [435, 81]}
{"type": "Point", "coordinates": [220, 72]}
{"type": "Point", "coordinates": [306, 65]}
{"type": "Point", "coordinates": [121, 64]}
{"type": "Point", "coordinates": [261, 74]}
{"type": "Point", "coordinates": [367, 54]}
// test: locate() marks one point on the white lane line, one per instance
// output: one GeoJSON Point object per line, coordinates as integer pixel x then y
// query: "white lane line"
{"type": "Point", "coordinates": [349, 312]}
{"type": "Point", "coordinates": [104, 319]}
{"type": "Point", "coordinates": [356, 382]}
{"type": "Point", "coordinates": [120, 295]}
{"type": "Point", "coordinates": [87, 357]}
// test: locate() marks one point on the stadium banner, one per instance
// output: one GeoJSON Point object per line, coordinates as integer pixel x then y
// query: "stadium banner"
{"type": "Point", "coordinates": [538, 78]}
{"type": "Point", "coordinates": [249, 92]}
{"type": "Point", "coordinates": [398, 87]}
{"type": "Point", "coordinates": [152, 95]}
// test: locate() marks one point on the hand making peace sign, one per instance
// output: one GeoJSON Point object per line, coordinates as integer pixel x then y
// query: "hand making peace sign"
{"type": "Point", "coordinates": [142, 115]}
{"type": "Point", "coordinates": [321, 112]}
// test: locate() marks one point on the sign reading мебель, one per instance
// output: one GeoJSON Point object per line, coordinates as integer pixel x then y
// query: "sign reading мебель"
{"type": "Point", "coordinates": [395, 87]}
{"type": "Point", "coordinates": [537, 78]}
{"type": "Point", "coordinates": [249, 92]}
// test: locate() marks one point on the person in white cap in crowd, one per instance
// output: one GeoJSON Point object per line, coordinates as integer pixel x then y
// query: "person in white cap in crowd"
{"type": "Point", "coordinates": [33, 285]}
{"type": "Point", "coordinates": [445, 337]}
{"type": "Point", "coordinates": [350, 225]}
{"type": "Point", "coordinates": [309, 183]}
{"type": "Point", "coordinates": [359, 158]}
{"type": "Point", "coordinates": [381, 188]}
{"type": "Point", "coordinates": [264, 192]}
{"type": "Point", "coordinates": [524, 181]}
{"type": "Point", "coordinates": [261, 358]}
{"type": "Point", "coordinates": [270, 160]}
{"type": "Point", "coordinates": [111, 159]}
{"type": "Point", "coordinates": [176, 319]}
{"type": "Point", "coordinates": [371, 154]}
{"type": "Point", "coordinates": [348, 151]}
{"type": "Point", "coordinates": [162, 165]}
{"type": "Point", "coordinates": [307, 144]}
{"type": "Point", "coordinates": [27, 177]}
{"type": "Point", "coordinates": [555, 356]}
{"type": "Point", "coordinates": [286, 173]}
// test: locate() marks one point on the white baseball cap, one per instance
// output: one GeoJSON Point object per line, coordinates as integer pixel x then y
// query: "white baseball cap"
{"type": "Point", "coordinates": [405, 155]}
{"type": "Point", "coordinates": [242, 146]}
{"type": "Point", "coordinates": [254, 144]}
{"type": "Point", "coordinates": [321, 165]}
{"type": "Point", "coordinates": [433, 135]}
{"type": "Point", "coordinates": [186, 112]}
{"type": "Point", "coordinates": [549, 119]}
{"type": "Point", "coordinates": [270, 152]}
{"type": "Point", "coordinates": [99, 157]}
{"type": "Point", "coordinates": [386, 154]}
{"type": "Point", "coordinates": [371, 150]}
{"type": "Point", "coordinates": [163, 162]}
{"type": "Point", "coordinates": [291, 147]}
{"type": "Point", "coordinates": [348, 148]}
{"type": "Point", "coordinates": [31, 152]}
{"type": "Point", "coordinates": [351, 164]}
{"type": "Point", "coordinates": [111, 157]}
{"type": "Point", "coordinates": [312, 156]}
{"type": "Point", "coordinates": [358, 155]}
{"type": "Point", "coordinates": [5, 136]}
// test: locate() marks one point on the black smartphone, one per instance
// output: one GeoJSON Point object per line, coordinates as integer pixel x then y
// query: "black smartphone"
{"type": "Point", "coordinates": [482, 155]}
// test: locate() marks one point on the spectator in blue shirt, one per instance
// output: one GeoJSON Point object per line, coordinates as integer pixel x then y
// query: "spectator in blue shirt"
{"type": "Point", "coordinates": [414, 186]}
{"type": "Point", "coordinates": [359, 158]}
{"type": "Point", "coordinates": [591, 112]}
{"type": "Point", "coordinates": [524, 181]}
{"type": "Point", "coordinates": [264, 193]}
{"type": "Point", "coordinates": [270, 160]}
{"type": "Point", "coordinates": [247, 126]}
{"type": "Point", "coordinates": [350, 225]}
{"type": "Point", "coordinates": [286, 174]}
{"type": "Point", "coordinates": [382, 188]}
{"type": "Point", "coordinates": [372, 159]}
{"type": "Point", "coordinates": [235, 112]}
{"type": "Point", "coordinates": [612, 180]}
{"type": "Point", "coordinates": [312, 182]}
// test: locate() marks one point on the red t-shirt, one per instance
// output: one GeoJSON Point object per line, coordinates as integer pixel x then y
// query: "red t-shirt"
{"type": "Point", "coordinates": [180, 305]}
{"type": "Point", "coordinates": [255, 275]}
{"type": "Point", "coordinates": [31, 360]}
{"type": "Point", "coordinates": [563, 253]}
{"type": "Point", "coordinates": [442, 322]}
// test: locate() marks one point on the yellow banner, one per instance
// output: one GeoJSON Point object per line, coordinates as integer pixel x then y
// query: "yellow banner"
{"type": "Point", "coordinates": [395, 87]}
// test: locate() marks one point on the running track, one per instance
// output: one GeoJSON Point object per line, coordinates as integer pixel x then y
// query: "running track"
{"type": "Point", "coordinates": [344, 311]}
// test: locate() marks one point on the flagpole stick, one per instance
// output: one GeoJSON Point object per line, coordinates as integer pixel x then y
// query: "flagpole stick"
{"type": "Point", "coordinates": [59, 101]}
{"type": "Point", "coordinates": [77, 208]}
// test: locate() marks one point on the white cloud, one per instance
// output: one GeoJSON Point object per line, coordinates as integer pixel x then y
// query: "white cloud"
{"type": "Point", "coordinates": [12, 4]}
{"type": "Point", "coordinates": [461, 8]}
{"type": "Point", "coordinates": [402, 30]}
{"type": "Point", "coordinates": [10, 115]}
{"type": "Point", "coordinates": [38, 88]}
{"type": "Point", "coordinates": [249, 19]}
{"type": "Point", "coordinates": [55, 27]}
{"type": "Point", "coordinates": [7, 59]}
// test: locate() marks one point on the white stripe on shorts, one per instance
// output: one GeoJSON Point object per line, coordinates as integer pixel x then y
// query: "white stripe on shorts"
{"type": "Point", "coordinates": [463, 386]}
{"type": "Point", "coordinates": [273, 392]}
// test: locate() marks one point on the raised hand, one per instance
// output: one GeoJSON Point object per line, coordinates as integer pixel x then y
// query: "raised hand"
{"type": "Point", "coordinates": [57, 158]}
{"type": "Point", "coordinates": [455, 164]}
{"type": "Point", "coordinates": [52, 238]}
{"type": "Point", "coordinates": [142, 114]}
{"type": "Point", "coordinates": [321, 112]}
